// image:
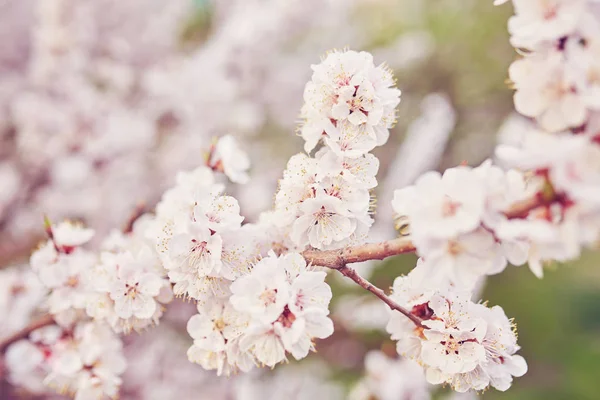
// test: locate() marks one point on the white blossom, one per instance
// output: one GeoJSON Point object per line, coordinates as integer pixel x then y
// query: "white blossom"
{"type": "Point", "coordinates": [85, 360]}
{"type": "Point", "coordinates": [66, 235]}
{"type": "Point", "coordinates": [442, 205]}
{"type": "Point", "coordinates": [231, 159]}
{"type": "Point", "coordinates": [190, 220]}
{"type": "Point", "coordinates": [288, 306]}
{"type": "Point", "coordinates": [548, 91]}
{"type": "Point", "coordinates": [21, 293]}
{"type": "Point", "coordinates": [536, 21]}
{"type": "Point", "coordinates": [323, 221]}
{"type": "Point", "coordinates": [216, 330]}
{"type": "Point", "coordinates": [460, 343]}
{"type": "Point", "coordinates": [61, 266]}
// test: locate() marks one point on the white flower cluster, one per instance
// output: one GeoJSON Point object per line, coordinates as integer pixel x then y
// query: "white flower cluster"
{"type": "Point", "coordinates": [460, 343]}
{"type": "Point", "coordinates": [84, 360]}
{"type": "Point", "coordinates": [556, 81]}
{"type": "Point", "coordinates": [197, 232]}
{"type": "Point", "coordinates": [279, 307]}
{"type": "Point", "coordinates": [128, 285]}
{"type": "Point", "coordinates": [61, 265]}
{"type": "Point", "coordinates": [324, 200]}
{"type": "Point", "coordinates": [350, 103]}
{"type": "Point", "coordinates": [258, 299]}
{"type": "Point", "coordinates": [455, 219]}
{"type": "Point", "coordinates": [91, 298]}
{"type": "Point", "coordinates": [253, 306]}
{"type": "Point", "coordinates": [288, 305]}
{"type": "Point", "coordinates": [125, 286]}
{"type": "Point", "coordinates": [557, 85]}
{"type": "Point", "coordinates": [21, 294]}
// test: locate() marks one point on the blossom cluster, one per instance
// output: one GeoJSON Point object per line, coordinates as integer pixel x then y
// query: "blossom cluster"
{"type": "Point", "coordinates": [556, 86]}
{"type": "Point", "coordinates": [253, 305]}
{"type": "Point", "coordinates": [195, 233]}
{"type": "Point", "coordinates": [278, 308]}
{"type": "Point", "coordinates": [21, 294]}
{"type": "Point", "coordinates": [257, 297]}
{"type": "Point", "coordinates": [77, 75]}
{"type": "Point", "coordinates": [84, 360]}
{"type": "Point", "coordinates": [457, 223]}
{"type": "Point", "coordinates": [91, 298]}
{"type": "Point", "coordinates": [124, 285]}
{"type": "Point", "coordinates": [464, 344]}
{"type": "Point", "coordinates": [324, 201]}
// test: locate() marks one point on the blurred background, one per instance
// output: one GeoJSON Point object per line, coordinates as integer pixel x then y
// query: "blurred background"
{"type": "Point", "coordinates": [103, 101]}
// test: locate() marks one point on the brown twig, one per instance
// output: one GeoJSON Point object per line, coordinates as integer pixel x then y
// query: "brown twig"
{"type": "Point", "coordinates": [362, 282]}
{"type": "Point", "coordinates": [23, 333]}
{"type": "Point", "coordinates": [334, 259]}
{"type": "Point", "coordinates": [338, 260]}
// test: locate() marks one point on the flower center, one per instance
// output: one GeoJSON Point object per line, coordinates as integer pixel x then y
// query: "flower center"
{"type": "Point", "coordinates": [454, 248]}
{"type": "Point", "coordinates": [198, 252]}
{"type": "Point", "coordinates": [269, 296]}
{"type": "Point", "coordinates": [73, 281]}
{"type": "Point", "coordinates": [322, 216]}
{"type": "Point", "coordinates": [131, 290]}
{"type": "Point", "coordinates": [286, 318]}
{"type": "Point", "coordinates": [450, 207]}
{"type": "Point", "coordinates": [220, 324]}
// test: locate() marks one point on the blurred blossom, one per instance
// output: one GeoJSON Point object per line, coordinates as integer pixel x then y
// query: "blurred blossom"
{"type": "Point", "coordinates": [10, 181]}
{"type": "Point", "coordinates": [305, 381]}
{"type": "Point", "coordinates": [158, 368]}
{"type": "Point", "coordinates": [103, 100]}
{"type": "Point", "coordinates": [21, 293]}
{"type": "Point", "coordinates": [407, 50]}
{"type": "Point", "coordinates": [361, 313]}
{"type": "Point", "coordinates": [390, 379]}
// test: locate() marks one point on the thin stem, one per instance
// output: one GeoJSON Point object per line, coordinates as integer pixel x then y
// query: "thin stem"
{"type": "Point", "coordinates": [362, 282]}
{"type": "Point", "coordinates": [25, 332]}
{"type": "Point", "coordinates": [338, 260]}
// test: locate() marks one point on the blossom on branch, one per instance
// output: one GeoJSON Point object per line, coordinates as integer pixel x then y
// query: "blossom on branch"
{"type": "Point", "coordinates": [460, 343]}
{"type": "Point", "coordinates": [453, 217]}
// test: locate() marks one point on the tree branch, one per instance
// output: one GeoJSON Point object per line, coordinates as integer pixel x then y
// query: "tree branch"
{"type": "Point", "coordinates": [337, 259]}
{"type": "Point", "coordinates": [362, 282]}
{"type": "Point", "coordinates": [24, 333]}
